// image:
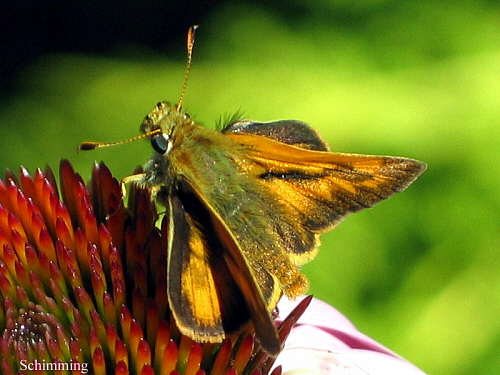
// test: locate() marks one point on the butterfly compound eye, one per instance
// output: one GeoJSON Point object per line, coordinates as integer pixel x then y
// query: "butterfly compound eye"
{"type": "Point", "coordinates": [160, 143]}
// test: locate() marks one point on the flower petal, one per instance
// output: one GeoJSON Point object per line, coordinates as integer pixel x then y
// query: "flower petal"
{"type": "Point", "coordinates": [325, 341]}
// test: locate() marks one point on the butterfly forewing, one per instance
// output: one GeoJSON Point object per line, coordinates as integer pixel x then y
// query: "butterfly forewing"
{"type": "Point", "coordinates": [211, 288]}
{"type": "Point", "coordinates": [319, 187]}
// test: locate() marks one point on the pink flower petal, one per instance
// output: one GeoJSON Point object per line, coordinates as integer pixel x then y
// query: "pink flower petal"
{"type": "Point", "coordinates": [324, 341]}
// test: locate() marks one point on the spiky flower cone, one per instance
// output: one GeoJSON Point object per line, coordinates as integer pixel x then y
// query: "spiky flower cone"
{"type": "Point", "coordinates": [83, 285]}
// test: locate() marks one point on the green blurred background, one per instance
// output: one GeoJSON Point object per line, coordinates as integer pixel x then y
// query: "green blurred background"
{"type": "Point", "coordinates": [421, 272]}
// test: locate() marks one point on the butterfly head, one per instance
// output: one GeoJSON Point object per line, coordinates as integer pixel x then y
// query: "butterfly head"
{"type": "Point", "coordinates": [161, 124]}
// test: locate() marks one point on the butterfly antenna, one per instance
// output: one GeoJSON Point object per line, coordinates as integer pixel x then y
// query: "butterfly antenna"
{"type": "Point", "coordinates": [85, 146]}
{"type": "Point", "coordinates": [190, 45]}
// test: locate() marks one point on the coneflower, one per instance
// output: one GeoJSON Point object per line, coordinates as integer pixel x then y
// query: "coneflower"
{"type": "Point", "coordinates": [83, 285]}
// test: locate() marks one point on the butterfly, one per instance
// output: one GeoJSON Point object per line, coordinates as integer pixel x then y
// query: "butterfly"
{"type": "Point", "coordinates": [245, 206]}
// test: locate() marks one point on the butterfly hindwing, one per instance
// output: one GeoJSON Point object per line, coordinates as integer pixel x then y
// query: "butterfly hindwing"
{"type": "Point", "coordinates": [292, 132]}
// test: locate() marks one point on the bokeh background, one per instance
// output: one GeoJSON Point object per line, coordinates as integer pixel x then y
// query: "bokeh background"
{"type": "Point", "coordinates": [421, 272]}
